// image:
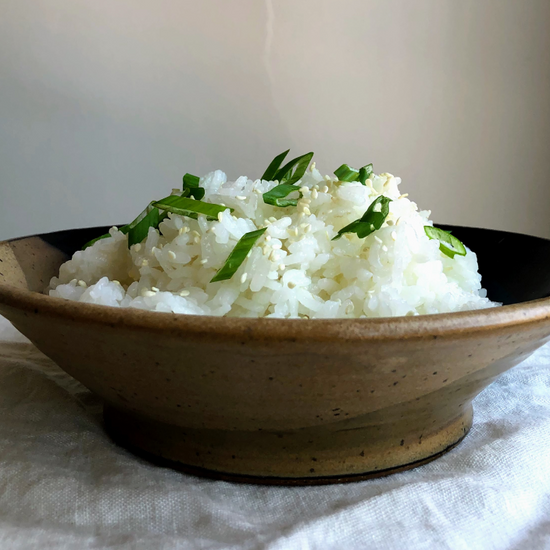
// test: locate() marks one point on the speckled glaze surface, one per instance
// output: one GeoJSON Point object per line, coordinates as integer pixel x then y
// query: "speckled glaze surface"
{"type": "Point", "coordinates": [283, 401]}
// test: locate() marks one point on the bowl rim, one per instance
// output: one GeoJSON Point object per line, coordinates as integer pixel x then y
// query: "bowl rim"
{"type": "Point", "coordinates": [429, 326]}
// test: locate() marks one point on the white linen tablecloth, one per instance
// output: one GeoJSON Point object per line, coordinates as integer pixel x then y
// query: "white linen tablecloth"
{"type": "Point", "coordinates": [64, 484]}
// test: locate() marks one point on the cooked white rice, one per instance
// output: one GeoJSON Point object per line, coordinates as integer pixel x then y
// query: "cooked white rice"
{"type": "Point", "coordinates": [294, 270]}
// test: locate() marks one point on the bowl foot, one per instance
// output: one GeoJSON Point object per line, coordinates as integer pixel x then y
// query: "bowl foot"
{"type": "Point", "coordinates": [289, 459]}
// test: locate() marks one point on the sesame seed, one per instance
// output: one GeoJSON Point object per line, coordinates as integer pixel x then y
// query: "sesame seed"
{"type": "Point", "coordinates": [240, 197]}
{"type": "Point", "coordinates": [137, 247]}
{"type": "Point", "coordinates": [314, 194]}
{"type": "Point", "coordinates": [276, 246]}
{"type": "Point", "coordinates": [267, 222]}
{"type": "Point", "coordinates": [197, 240]}
{"type": "Point", "coordinates": [185, 229]}
{"type": "Point", "coordinates": [220, 216]}
{"type": "Point", "coordinates": [145, 262]}
{"type": "Point", "coordinates": [244, 277]}
{"type": "Point", "coordinates": [114, 281]}
{"type": "Point", "coordinates": [204, 261]}
{"type": "Point", "coordinates": [327, 178]}
{"type": "Point", "coordinates": [403, 196]}
{"type": "Point", "coordinates": [304, 189]}
{"type": "Point", "coordinates": [84, 285]}
{"type": "Point", "coordinates": [306, 211]}
{"type": "Point", "coordinates": [272, 219]}
{"type": "Point", "coordinates": [274, 257]}
{"type": "Point", "coordinates": [265, 250]}
{"type": "Point", "coordinates": [384, 248]}
{"type": "Point", "coordinates": [378, 239]}
{"type": "Point", "coordinates": [312, 167]}
{"type": "Point", "coordinates": [155, 289]}
{"type": "Point", "coordinates": [172, 255]}
{"type": "Point", "coordinates": [196, 233]}
{"type": "Point", "coordinates": [368, 183]}
{"type": "Point", "coordinates": [291, 284]}
{"type": "Point", "coordinates": [148, 293]}
{"type": "Point", "coordinates": [282, 267]}
{"type": "Point", "coordinates": [325, 189]}
{"type": "Point", "coordinates": [114, 228]}
{"type": "Point", "coordinates": [394, 235]}
{"type": "Point", "coordinates": [184, 293]}
{"type": "Point", "coordinates": [268, 238]}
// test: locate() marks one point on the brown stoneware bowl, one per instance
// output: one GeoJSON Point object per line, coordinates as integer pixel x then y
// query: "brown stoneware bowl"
{"type": "Point", "coordinates": [285, 401]}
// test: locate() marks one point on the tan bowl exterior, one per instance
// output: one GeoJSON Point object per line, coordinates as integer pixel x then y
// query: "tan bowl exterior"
{"type": "Point", "coordinates": [268, 400]}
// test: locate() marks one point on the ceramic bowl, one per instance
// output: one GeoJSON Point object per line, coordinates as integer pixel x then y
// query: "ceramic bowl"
{"type": "Point", "coordinates": [285, 401]}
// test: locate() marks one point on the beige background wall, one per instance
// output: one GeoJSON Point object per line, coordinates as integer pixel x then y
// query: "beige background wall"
{"type": "Point", "coordinates": [104, 104]}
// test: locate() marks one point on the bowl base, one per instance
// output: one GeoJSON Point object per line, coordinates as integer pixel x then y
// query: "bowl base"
{"type": "Point", "coordinates": [185, 450]}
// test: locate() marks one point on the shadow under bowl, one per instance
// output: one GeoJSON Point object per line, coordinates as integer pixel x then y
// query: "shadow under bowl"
{"type": "Point", "coordinates": [285, 401]}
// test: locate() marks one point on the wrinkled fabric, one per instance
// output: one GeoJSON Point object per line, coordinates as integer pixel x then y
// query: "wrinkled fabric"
{"type": "Point", "coordinates": [64, 484]}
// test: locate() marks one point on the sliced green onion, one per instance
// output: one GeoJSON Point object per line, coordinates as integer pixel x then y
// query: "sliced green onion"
{"type": "Point", "coordinates": [191, 187]}
{"type": "Point", "coordinates": [364, 173]}
{"type": "Point", "coordinates": [448, 244]}
{"type": "Point", "coordinates": [238, 255]}
{"type": "Point", "coordinates": [189, 207]}
{"type": "Point", "coordinates": [274, 166]}
{"type": "Point", "coordinates": [293, 170]}
{"type": "Point", "coordinates": [139, 228]}
{"type": "Point", "coordinates": [370, 221]}
{"type": "Point", "coordinates": [277, 196]}
{"type": "Point", "coordinates": [346, 173]}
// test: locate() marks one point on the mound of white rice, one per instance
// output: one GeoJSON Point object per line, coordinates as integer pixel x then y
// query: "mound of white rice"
{"type": "Point", "coordinates": [294, 270]}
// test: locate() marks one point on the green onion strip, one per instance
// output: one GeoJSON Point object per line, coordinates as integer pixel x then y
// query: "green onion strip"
{"type": "Point", "coordinates": [287, 176]}
{"type": "Point", "coordinates": [448, 244]}
{"type": "Point", "coordinates": [370, 221]}
{"type": "Point", "coordinates": [347, 173]}
{"type": "Point", "coordinates": [238, 255]}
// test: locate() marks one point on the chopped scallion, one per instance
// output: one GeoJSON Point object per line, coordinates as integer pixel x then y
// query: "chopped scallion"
{"type": "Point", "coordinates": [371, 220]}
{"type": "Point", "coordinates": [274, 166]}
{"type": "Point", "coordinates": [139, 228]}
{"type": "Point", "coordinates": [448, 244]}
{"type": "Point", "coordinates": [189, 207]}
{"type": "Point", "coordinates": [191, 187]}
{"type": "Point", "coordinates": [277, 196]}
{"type": "Point", "coordinates": [364, 173]}
{"type": "Point", "coordinates": [293, 170]}
{"type": "Point", "coordinates": [346, 173]}
{"type": "Point", "coordinates": [238, 255]}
